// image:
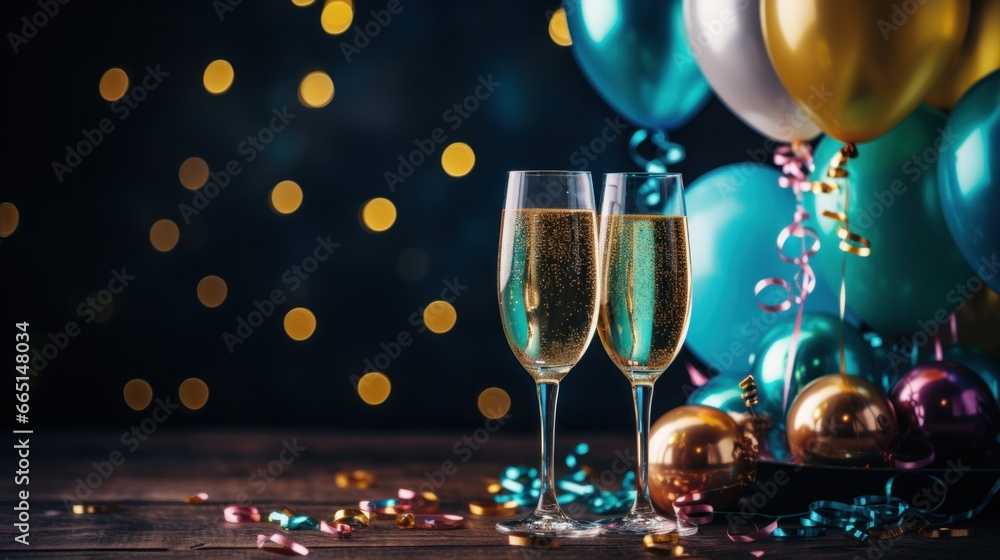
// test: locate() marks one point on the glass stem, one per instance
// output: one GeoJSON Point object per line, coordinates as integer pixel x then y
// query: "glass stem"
{"type": "Point", "coordinates": [548, 394]}
{"type": "Point", "coordinates": [643, 394]}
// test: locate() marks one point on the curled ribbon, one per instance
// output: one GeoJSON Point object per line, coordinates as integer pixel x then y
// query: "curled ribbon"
{"type": "Point", "coordinates": [284, 542]}
{"type": "Point", "coordinates": [242, 514]}
{"type": "Point", "coordinates": [796, 162]}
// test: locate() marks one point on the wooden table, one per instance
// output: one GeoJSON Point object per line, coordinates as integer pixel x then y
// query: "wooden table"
{"type": "Point", "coordinates": [154, 476]}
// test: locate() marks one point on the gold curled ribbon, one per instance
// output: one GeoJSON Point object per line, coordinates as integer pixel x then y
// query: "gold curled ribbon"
{"type": "Point", "coordinates": [529, 540]}
{"type": "Point", "coordinates": [850, 242]}
{"type": "Point", "coordinates": [914, 525]}
{"type": "Point", "coordinates": [663, 544]}
{"type": "Point", "coordinates": [945, 533]}
{"type": "Point", "coordinates": [405, 521]}
{"type": "Point", "coordinates": [491, 508]}
{"type": "Point", "coordinates": [351, 517]}
{"type": "Point", "coordinates": [360, 479]}
{"type": "Point", "coordinates": [749, 394]}
{"type": "Point", "coordinates": [81, 509]}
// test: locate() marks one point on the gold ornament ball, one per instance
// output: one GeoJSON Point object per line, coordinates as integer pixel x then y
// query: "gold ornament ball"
{"type": "Point", "coordinates": [841, 420]}
{"type": "Point", "coordinates": [696, 448]}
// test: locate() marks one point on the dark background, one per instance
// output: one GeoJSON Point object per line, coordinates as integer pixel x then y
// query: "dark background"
{"type": "Point", "coordinates": [73, 233]}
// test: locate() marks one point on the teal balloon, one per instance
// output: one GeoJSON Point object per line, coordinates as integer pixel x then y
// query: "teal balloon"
{"type": "Point", "coordinates": [969, 173]}
{"type": "Point", "coordinates": [635, 54]}
{"type": "Point", "coordinates": [817, 354]}
{"type": "Point", "coordinates": [735, 214]}
{"type": "Point", "coordinates": [915, 274]}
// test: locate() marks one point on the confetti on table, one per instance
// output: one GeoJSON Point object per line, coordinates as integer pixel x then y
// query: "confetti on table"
{"type": "Point", "coordinates": [530, 540]}
{"type": "Point", "coordinates": [283, 542]}
{"type": "Point", "coordinates": [360, 479]}
{"type": "Point", "coordinates": [95, 508]}
{"type": "Point", "coordinates": [242, 514]}
{"type": "Point", "coordinates": [199, 498]}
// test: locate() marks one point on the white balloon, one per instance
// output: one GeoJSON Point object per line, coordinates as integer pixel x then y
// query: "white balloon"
{"type": "Point", "coordinates": [727, 42]}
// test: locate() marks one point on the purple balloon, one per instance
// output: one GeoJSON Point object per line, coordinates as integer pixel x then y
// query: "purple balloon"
{"type": "Point", "coordinates": [950, 406]}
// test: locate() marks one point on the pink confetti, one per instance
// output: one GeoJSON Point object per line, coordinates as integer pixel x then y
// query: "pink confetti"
{"type": "Point", "coordinates": [198, 498]}
{"type": "Point", "coordinates": [697, 377]}
{"type": "Point", "coordinates": [284, 542]}
{"type": "Point", "coordinates": [757, 553]}
{"type": "Point", "coordinates": [242, 514]}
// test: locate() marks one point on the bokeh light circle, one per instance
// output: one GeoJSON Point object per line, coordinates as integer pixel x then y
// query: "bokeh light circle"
{"type": "Point", "coordinates": [193, 393]}
{"type": "Point", "coordinates": [494, 403]}
{"type": "Point", "coordinates": [212, 291]}
{"type": "Point", "coordinates": [286, 197]}
{"type": "Point", "coordinates": [440, 316]}
{"type": "Point", "coordinates": [114, 84]}
{"type": "Point", "coordinates": [378, 214]}
{"type": "Point", "coordinates": [193, 173]}
{"type": "Point", "coordinates": [374, 388]}
{"type": "Point", "coordinates": [458, 159]}
{"type": "Point", "coordinates": [316, 90]}
{"type": "Point", "coordinates": [164, 235]}
{"type": "Point", "coordinates": [300, 323]}
{"type": "Point", "coordinates": [218, 76]}
{"type": "Point", "coordinates": [138, 394]}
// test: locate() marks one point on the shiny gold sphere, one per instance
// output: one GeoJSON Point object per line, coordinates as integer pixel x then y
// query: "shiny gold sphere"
{"type": "Point", "coordinates": [696, 448]}
{"type": "Point", "coordinates": [841, 420]}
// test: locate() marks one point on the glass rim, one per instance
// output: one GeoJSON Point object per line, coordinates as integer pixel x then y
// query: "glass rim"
{"type": "Point", "coordinates": [547, 172]}
{"type": "Point", "coordinates": [645, 174]}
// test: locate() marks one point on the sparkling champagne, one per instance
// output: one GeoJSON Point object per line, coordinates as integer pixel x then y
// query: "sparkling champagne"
{"type": "Point", "coordinates": [547, 273]}
{"type": "Point", "coordinates": [645, 298]}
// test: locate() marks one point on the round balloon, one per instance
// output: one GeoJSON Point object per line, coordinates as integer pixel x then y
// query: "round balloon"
{"type": "Point", "coordinates": [635, 53]}
{"type": "Point", "coordinates": [978, 321]}
{"type": "Point", "coordinates": [969, 172]}
{"type": "Point", "coordinates": [950, 406]}
{"type": "Point", "coordinates": [841, 420]}
{"type": "Point", "coordinates": [817, 354]}
{"type": "Point", "coordinates": [986, 365]}
{"type": "Point", "coordinates": [695, 449]}
{"type": "Point", "coordinates": [858, 67]}
{"type": "Point", "coordinates": [980, 55]}
{"type": "Point", "coordinates": [727, 41]}
{"type": "Point", "coordinates": [734, 216]}
{"type": "Point", "coordinates": [915, 272]}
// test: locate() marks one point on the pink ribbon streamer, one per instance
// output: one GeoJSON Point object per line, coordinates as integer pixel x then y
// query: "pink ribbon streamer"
{"type": "Point", "coordinates": [796, 162]}
{"type": "Point", "coordinates": [284, 542]}
{"type": "Point", "coordinates": [242, 514]}
{"type": "Point", "coordinates": [695, 508]}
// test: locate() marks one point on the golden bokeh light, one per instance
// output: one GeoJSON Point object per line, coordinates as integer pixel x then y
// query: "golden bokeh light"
{"type": "Point", "coordinates": [286, 197]}
{"type": "Point", "coordinates": [218, 76]}
{"type": "Point", "coordinates": [559, 29]}
{"type": "Point", "coordinates": [316, 90]}
{"type": "Point", "coordinates": [378, 214]}
{"type": "Point", "coordinates": [138, 394]}
{"type": "Point", "coordinates": [440, 316]}
{"type": "Point", "coordinates": [193, 173]}
{"type": "Point", "coordinates": [374, 388]}
{"type": "Point", "coordinates": [164, 235]}
{"type": "Point", "coordinates": [303, 3]}
{"type": "Point", "coordinates": [337, 16]}
{"type": "Point", "coordinates": [114, 84]}
{"type": "Point", "coordinates": [300, 323]}
{"type": "Point", "coordinates": [494, 403]}
{"type": "Point", "coordinates": [458, 159]}
{"type": "Point", "coordinates": [212, 291]}
{"type": "Point", "coordinates": [9, 218]}
{"type": "Point", "coordinates": [193, 393]}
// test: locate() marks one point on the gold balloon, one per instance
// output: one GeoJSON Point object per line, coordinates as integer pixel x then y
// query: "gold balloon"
{"type": "Point", "coordinates": [859, 67]}
{"type": "Point", "coordinates": [696, 448]}
{"type": "Point", "coordinates": [841, 420]}
{"type": "Point", "coordinates": [979, 321]}
{"type": "Point", "coordinates": [980, 55]}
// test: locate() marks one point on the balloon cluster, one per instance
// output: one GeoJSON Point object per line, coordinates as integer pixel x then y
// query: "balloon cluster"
{"type": "Point", "coordinates": [922, 193]}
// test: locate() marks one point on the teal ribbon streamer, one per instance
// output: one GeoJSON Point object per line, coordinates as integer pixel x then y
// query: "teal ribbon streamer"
{"type": "Point", "coordinates": [522, 485]}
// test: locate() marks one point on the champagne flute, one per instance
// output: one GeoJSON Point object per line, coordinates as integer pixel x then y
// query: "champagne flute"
{"type": "Point", "coordinates": [645, 306]}
{"type": "Point", "coordinates": [547, 288]}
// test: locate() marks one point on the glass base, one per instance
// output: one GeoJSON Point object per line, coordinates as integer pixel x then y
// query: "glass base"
{"type": "Point", "coordinates": [644, 524]}
{"type": "Point", "coordinates": [553, 525]}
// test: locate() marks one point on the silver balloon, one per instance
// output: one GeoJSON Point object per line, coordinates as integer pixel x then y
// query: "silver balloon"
{"type": "Point", "coordinates": [727, 42]}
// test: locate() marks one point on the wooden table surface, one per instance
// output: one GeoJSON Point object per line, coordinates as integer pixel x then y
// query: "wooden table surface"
{"type": "Point", "coordinates": [155, 475]}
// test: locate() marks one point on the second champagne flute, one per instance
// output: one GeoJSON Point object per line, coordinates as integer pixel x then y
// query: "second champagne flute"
{"type": "Point", "coordinates": [645, 304]}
